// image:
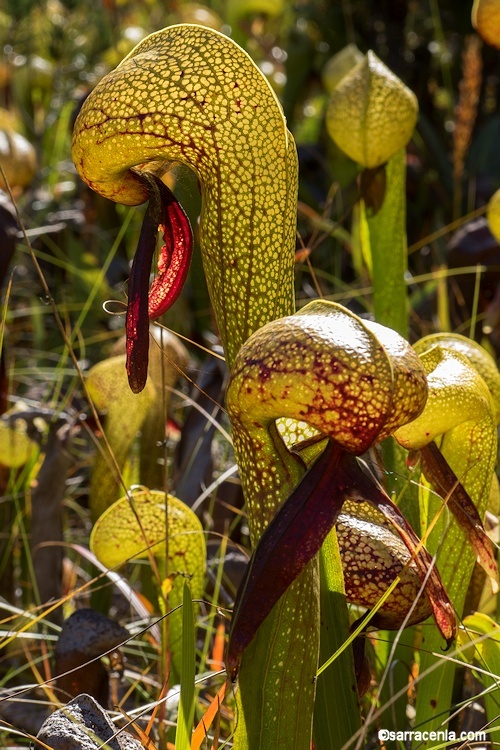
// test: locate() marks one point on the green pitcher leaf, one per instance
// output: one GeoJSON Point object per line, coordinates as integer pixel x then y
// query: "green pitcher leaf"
{"type": "Point", "coordinates": [384, 243]}
{"type": "Point", "coordinates": [460, 416]}
{"type": "Point", "coordinates": [190, 94]}
{"type": "Point", "coordinates": [339, 65]}
{"type": "Point", "coordinates": [16, 446]}
{"type": "Point", "coordinates": [477, 356]}
{"type": "Point", "coordinates": [107, 385]}
{"type": "Point", "coordinates": [136, 527]}
{"type": "Point", "coordinates": [129, 528]}
{"type": "Point", "coordinates": [371, 114]}
{"type": "Point", "coordinates": [168, 357]}
{"type": "Point", "coordinates": [352, 381]}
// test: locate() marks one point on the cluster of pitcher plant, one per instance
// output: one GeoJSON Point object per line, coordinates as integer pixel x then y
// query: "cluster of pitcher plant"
{"type": "Point", "coordinates": [311, 393]}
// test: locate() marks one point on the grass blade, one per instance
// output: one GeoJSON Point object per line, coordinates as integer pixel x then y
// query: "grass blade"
{"type": "Point", "coordinates": [186, 705]}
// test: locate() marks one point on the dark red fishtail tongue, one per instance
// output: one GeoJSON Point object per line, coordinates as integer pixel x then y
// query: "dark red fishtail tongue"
{"type": "Point", "coordinates": [438, 472]}
{"type": "Point", "coordinates": [292, 538]}
{"type": "Point", "coordinates": [164, 212]}
{"type": "Point", "coordinates": [365, 488]}
{"type": "Point", "coordinates": [296, 533]}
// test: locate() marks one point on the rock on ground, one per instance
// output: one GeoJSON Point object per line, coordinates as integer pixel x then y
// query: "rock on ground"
{"type": "Point", "coordinates": [84, 725]}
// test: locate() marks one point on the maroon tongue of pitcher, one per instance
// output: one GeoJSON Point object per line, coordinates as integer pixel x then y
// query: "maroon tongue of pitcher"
{"type": "Point", "coordinates": [164, 214]}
